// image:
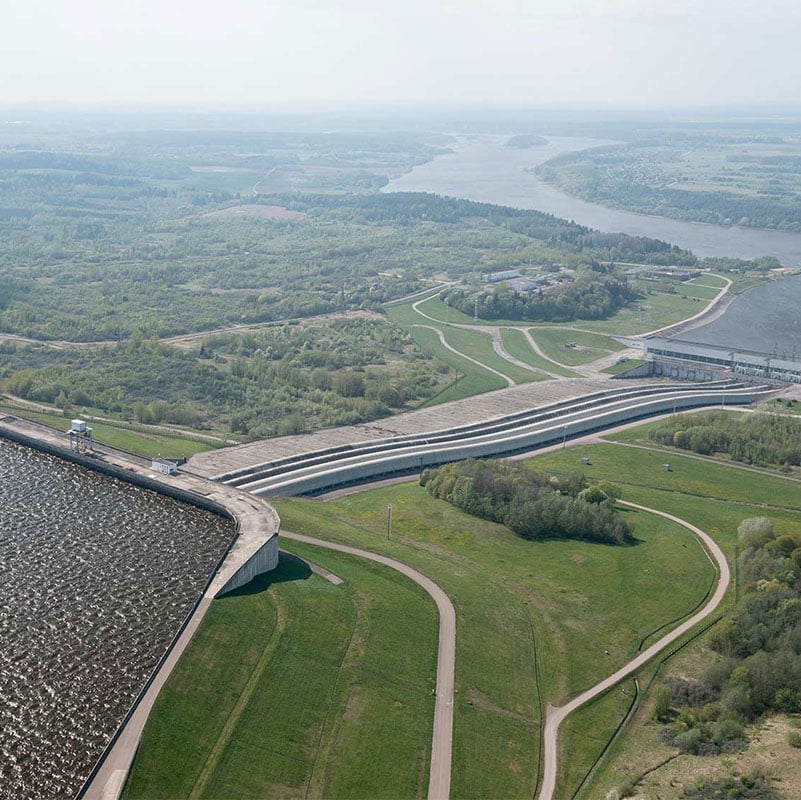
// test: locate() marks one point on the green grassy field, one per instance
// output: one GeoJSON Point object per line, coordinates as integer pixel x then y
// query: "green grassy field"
{"type": "Point", "coordinates": [552, 342]}
{"type": "Point", "coordinates": [641, 467]}
{"type": "Point", "coordinates": [651, 312]}
{"type": "Point", "coordinates": [475, 344]}
{"type": "Point", "coordinates": [133, 438]}
{"type": "Point", "coordinates": [695, 290]}
{"type": "Point", "coordinates": [585, 732]}
{"type": "Point", "coordinates": [517, 345]}
{"type": "Point", "coordinates": [535, 621]}
{"type": "Point", "coordinates": [472, 379]}
{"type": "Point", "coordinates": [550, 609]}
{"type": "Point", "coordinates": [434, 307]}
{"type": "Point", "coordinates": [708, 279]}
{"type": "Point", "coordinates": [478, 345]}
{"type": "Point", "coordinates": [295, 687]}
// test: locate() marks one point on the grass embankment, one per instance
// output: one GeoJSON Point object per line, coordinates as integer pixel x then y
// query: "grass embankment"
{"type": "Point", "coordinates": [590, 346]}
{"type": "Point", "coordinates": [295, 687]}
{"type": "Point", "coordinates": [473, 378]}
{"type": "Point", "coordinates": [516, 344]}
{"type": "Point", "coordinates": [698, 291]}
{"type": "Point", "coordinates": [649, 313]}
{"type": "Point", "coordinates": [478, 345]}
{"type": "Point", "coordinates": [708, 279]}
{"type": "Point", "coordinates": [624, 366]}
{"type": "Point", "coordinates": [125, 436]}
{"type": "Point", "coordinates": [469, 378]}
{"type": "Point", "coordinates": [716, 497]}
{"type": "Point", "coordinates": [534, 619]}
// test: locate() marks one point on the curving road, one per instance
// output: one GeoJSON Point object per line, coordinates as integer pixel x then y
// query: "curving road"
{"type": "Point", "coordinates": [444, 343]}
{"type": "Point", "coordinates": [439, 780]}
{"type": "Point", "coordinates": [555, 716]}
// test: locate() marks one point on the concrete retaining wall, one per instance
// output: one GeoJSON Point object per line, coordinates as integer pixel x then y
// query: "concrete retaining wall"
{"type": "Point", "coordinates": [263, 560]}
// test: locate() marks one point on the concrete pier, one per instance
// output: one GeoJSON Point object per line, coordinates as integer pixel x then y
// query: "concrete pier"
{"type": "Point", "coordinates": [253, 550]}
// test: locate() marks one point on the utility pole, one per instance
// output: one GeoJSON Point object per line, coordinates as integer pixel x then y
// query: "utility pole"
{"type": "Point", "coordinates": [389, 520]}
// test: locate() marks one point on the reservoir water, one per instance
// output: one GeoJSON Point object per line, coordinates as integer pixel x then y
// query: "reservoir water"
{"type": "Point", "coordinates": [485, 169]}
{"type": "Point", "coordinates": [95, 579]}
{"type": "Point", "coordinates": [762, 320]}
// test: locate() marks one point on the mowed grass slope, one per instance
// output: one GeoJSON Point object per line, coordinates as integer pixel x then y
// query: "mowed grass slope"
{"type": "Point", "coordinates": [552, 342]}
{"type": "Point", "coordinates": [701, 477]}
{"type": "Point", "coordinates": [534, 619]}
{"type": "Point", "coordinates": [516, 344]}
{"type": "Point", "coordinates": [537, 622]}
{"type": "Point", "coordinates": [295, 687]}
{"type": "Point", "coordinates": [478, 345]}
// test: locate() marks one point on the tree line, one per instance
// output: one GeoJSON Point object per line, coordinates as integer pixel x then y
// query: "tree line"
{"type": "Point", "coordinates": [761, 439]}
{"type": "Point", "coordinates": [590, 296]}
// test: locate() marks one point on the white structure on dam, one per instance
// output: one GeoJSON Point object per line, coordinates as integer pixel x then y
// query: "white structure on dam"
{"type": "Point", "coordinates": [784, 367]}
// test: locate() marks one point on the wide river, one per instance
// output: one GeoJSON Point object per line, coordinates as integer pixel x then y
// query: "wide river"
{"type": "Point", "coordinates": [95, 578]}
{"type": "Point", "coordinates": [485, 169]}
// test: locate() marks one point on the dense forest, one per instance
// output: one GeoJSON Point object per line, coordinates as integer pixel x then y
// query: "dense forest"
{"type": "Point", "coordinates": [95, 277]}
{"type": "Point", "coordinates": [762, 439]}
{"type": "Point", "coordinates": [533, 505]}
{"type": "Point", "coordinates": [280, 380]}
{"type": "Point", "coordinates": [758, 646]}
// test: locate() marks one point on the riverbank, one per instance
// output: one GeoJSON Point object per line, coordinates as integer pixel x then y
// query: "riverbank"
{"type": "Point", "coordinates": [484, 169]}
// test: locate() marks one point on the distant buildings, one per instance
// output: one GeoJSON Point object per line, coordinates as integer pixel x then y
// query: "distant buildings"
{"type": "Point", "coordinates": [664, 273]}
{"type": "Point", "coordinates": [497, 277]}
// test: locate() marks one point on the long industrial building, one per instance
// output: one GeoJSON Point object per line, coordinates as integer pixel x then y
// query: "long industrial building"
{"type": "Point", "coordinates": [677, 358]}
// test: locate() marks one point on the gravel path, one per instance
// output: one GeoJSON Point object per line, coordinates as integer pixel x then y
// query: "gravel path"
{"type": "Point", "coordinates": [555, 716]}
{"type": "Point", "coordinates": [439, 781]}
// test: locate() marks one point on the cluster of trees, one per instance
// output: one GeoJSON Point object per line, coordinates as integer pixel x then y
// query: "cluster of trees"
{"type": "Point", "coordinates": [591, 296]}
{"type": "Point", "coordinates": [763, 439]}
{"type": "Point", "coordinates": [758, 668]}
{"type": "Point", "coordinates": [533, 505]}
{"type": "Point", "coordinates": [285, 379]}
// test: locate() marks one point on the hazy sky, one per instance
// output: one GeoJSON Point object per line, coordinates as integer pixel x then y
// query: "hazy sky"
{"type": "Point", "coordinates": [502, 53]}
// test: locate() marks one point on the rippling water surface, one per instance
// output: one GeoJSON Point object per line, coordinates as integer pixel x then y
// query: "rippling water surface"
{"type": "Point", "coordinates": [95, 578]}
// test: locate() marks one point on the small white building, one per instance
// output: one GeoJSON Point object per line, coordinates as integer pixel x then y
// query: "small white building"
{"type": "Point", "coordinates": [164, 466]}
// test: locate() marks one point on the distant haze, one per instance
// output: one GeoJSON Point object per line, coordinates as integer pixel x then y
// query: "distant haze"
{"type": "Point", "coordinates": [262, 54]}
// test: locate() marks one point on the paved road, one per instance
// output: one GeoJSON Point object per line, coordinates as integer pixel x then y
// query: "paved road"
{"type": "Point", "coordinates": [555, 716]}
{"type": "Point", "coordinates": [439, 781]}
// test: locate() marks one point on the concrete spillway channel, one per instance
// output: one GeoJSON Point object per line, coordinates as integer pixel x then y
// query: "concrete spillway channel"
{"type": "Point", "coordinates": [326, 469]}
